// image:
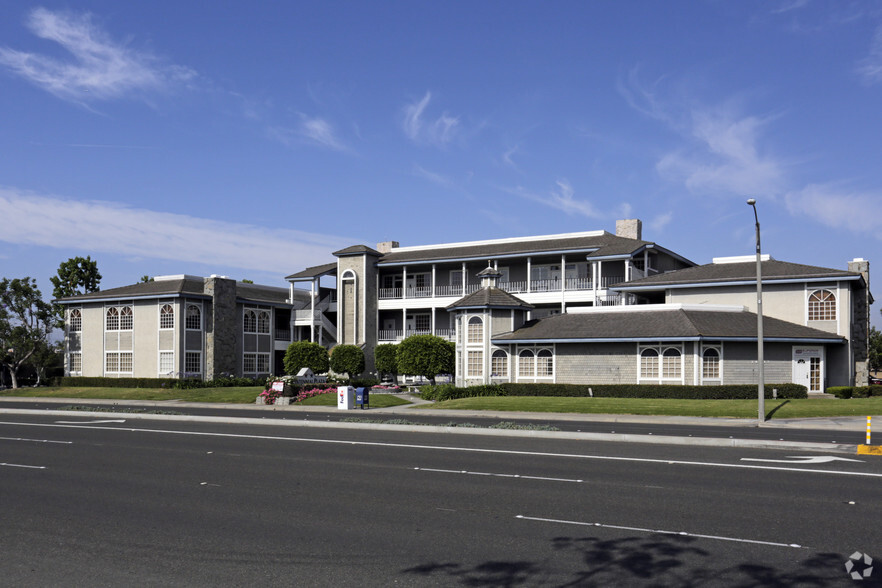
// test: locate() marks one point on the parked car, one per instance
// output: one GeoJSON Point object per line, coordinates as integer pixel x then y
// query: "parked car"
{"type": "Point", "coordinates": [875, 381]}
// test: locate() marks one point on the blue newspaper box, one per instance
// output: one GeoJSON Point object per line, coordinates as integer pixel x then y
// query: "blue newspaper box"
{"type": "Point", "coordinates": [362, 397]}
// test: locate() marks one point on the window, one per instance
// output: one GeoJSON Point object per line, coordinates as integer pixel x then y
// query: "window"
{"type": "Point", "coordinates": [649, 364]}
{"type": "Point", "coordinates": [192, 363]}
{"type": "Point", "coordinates": [256, 363]}
{"type": "Point", "coordinates": [263, 322]}
{"type": "Point", "coordinates": [75, 363]}
{"type": "Point", "coordinates": [476, 330]}
{"type": "Point", "coordinates": [112, 320]}
{"type": "Point", "coordinates": [822, 306]}
{"type": "Point", "coordinates": [526, 364]}
{"type": "Point", "coordinates": [499, 364]}
{"type": "Point", "coordinates": [75, 323]}
{"type": "Point", "coordinates": [544, 363]}
{"type": "Point", "coordinates": [167, 317]}
{"type": "Point", "coordinates": [166, 362]}
{"type": "Point", "coordinates": [671, 364]}
{"type": "Point", "coordinates": [263, 366]}
{"type": "Point", "coordinates": [475, 364]}
{"type": "Point", "coordinates": [194, 318]}
{"type": "Point", "coordinates": [710, 364]}
{"type": "Point", "coordinates": [250, 322]}
{"type": "Point", "coordinates": [125, 318]}
{"type": "Point", "coordinates": [422, 322]}
{"type": "Point", "coordinates": [118, 362]}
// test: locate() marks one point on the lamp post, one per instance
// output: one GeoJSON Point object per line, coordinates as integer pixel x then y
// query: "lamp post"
{"type": "Point", "coordinates": [761, 380]}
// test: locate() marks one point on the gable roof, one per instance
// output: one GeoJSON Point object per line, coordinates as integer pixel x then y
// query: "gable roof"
{"type": "Point", "coordinates": [662, 323]}
{"type": "Point", "coordinates": [313, 272]}
{"type": "Point", "coordinates": [740, 273]}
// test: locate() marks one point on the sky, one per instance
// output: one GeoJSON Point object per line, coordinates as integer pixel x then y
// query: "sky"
{"type": "Point", "coordinates": [253, 139]}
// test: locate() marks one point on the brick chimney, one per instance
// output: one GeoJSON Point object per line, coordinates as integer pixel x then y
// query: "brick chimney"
{"type": "Point", "coordinates": [630, 228]}
{"type": "Point", "coordinates": [387, 246]}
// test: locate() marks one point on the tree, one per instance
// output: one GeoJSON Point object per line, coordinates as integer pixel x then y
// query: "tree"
{"type": "Point", "coordinates": [75, 276]}
{"type": "Point", "coordinates": [145, 278]}
{"type": "Point", "coordinates": [874, 363]}
{"type": "Point", "coordinates": [386, 359]}
{"type": "Point", "coordinates": [347, 359]}
{"type": "Point", "coordinates": [25, 323]}
{"type": "Point", "coordinates": [305, 354]}
{"type": "Point", "coordinates": [426, 355]}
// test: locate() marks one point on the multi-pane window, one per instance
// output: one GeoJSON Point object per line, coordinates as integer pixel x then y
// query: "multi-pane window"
{"type": "Point", "coordinates": [499, 364]}
{"type": "Point", "coordinates": [75, 363]}
{"type": "Point", "coordinates": [476, 330]}
{"type": "Point", "coordinates": [167, 317]}
{"type": "Point", "coordinates": [249, 321]}
{"type": "Point", "coordinates": [649, 364]}
{"type": "Point", "coordinates": [166, 362]}
{"type": "Point", "coordinates": [475, 364]}
{"type": "Point", "coordinates": [544, 363]}
{"type": "Point", "coordinates": [822, 306]}
{"type": "Point", "coordinates": [263, 322]}
{"type": "Point", "coordinates": [263, 363]}
{"type": "Point", "coordinates": [125, 318]}
{"type": "Point", "coordinates": [194, 318]}
{"type": "Point", "coordinates": [112, 319]}
{"type": "Point", "coordinates": [249, 363]}
{"type": "Point", "coordinates": [422, 322]}
{"type": "Point", "coordinates": [192, 363]}
{"type": "Point", "coordinates": [118, 362]}
{"type": "Point", "coordinates": [118, 318]}
{"type": "Point", "coordinates": [671, 365]}
{"type": "Point", "coordinates": [75, 323]}
{"type": "Point", "coordinates": [710, 364]}
{"type": "Point", "coordinates": [526, 364]}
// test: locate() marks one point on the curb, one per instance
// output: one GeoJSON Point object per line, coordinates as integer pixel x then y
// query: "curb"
{"type": "Point", "coordinates": [869, 449]}
{"type": "Point", "coordinates": [607, 437]}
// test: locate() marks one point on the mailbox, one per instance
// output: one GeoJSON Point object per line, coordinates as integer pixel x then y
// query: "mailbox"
{"type": "Point", "coordinates": [362, 397]}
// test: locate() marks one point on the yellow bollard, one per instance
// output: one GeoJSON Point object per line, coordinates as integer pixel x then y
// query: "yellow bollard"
{"type": "Point", "coordinates": [869, 449]}
{"type": "Point", "coordinates": [869, 421]}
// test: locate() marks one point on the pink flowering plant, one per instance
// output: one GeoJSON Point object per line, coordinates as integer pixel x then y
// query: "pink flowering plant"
{"type": "Point", "coordinates": [304, 394]}
{"type": "Point", "coordinates": [269, 396]}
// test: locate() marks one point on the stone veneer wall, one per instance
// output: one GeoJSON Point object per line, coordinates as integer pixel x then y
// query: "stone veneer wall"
{"type": "Point", "coordinates": [860, 331]}
{"type": "Point", "coordinates": [222, 325]}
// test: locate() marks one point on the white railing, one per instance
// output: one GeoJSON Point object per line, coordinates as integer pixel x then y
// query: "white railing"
{"type": "Point", "coordinates": [399, 334]}
{"type": "Point", "coordinates": [389, 293]}
{"type": "Point", "coordinates": [579, 284]}
{"type": "Point", "coordinates": [423, 292]}
{"type": "Point", "coordinates": [514, 287]}
{"type": "Point", "coordinates": [607, 281]}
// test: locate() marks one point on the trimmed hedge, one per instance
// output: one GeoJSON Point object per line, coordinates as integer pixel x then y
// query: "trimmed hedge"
{"type": "Point", "coordinates": [171, 383]}
{"type": "Point", "coordinates": [745, 392]}
{"type": "Point", "coordinates": [846, 392]}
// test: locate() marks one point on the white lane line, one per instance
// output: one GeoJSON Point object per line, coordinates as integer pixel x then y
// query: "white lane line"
{"type": "Point", "coordinates": [91, 422]}
{"type": "Point", "coordinates": [35, 440]}
{"type": "Point", "coordinates": [519, 476]}
{"type": "Point", "coordinates": [661, 532]}
{"type": "Point", "coordinates": [462, 449]}
{"type": "Point", "coordinates": [18, 465]}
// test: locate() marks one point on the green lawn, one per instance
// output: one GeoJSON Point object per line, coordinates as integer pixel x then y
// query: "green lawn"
{"type": "Point", "coordinates": [813, 407]}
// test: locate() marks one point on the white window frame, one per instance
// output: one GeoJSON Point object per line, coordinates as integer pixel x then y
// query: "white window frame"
{"type": "Point", "coordinates": [166, 317]}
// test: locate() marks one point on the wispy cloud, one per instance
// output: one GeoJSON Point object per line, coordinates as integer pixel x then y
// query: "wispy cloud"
{"type": "Point", "coordinates": [99, 68]}
{"type": "Point", "coordinates": [113, 228]}
{"type": "Point", "coordinates": [870, 67]}
{"type": "Point", "coordinates": [834, 207]}
{"type": "Point", "coordinates": [790, 5]}
{"type": "Point", "coordinates": [561, 198]}
{"type": "Point", "coordinates": [661, 221]}
{"type": "Point", "coordinates": [312, 130]}
{"type": "Point", "coordinates": [433, 177]}
{"type": "Point", "coordinates": [439, 132]}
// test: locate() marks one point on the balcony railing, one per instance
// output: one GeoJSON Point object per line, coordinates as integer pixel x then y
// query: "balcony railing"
{"type": "Point", "coordinates": [387, 335]}
{"type": "Point", "coordinates": [571, 284]}
{"type": "Point", "coordinates": [283, 334]}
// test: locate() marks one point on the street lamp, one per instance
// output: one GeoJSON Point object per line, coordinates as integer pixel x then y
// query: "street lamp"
{"type": "Point", "coordinates": [761, 383]}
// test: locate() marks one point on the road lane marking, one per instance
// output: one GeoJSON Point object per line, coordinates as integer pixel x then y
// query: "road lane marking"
{"type": "Point", "coordinates": [801, 459]}
{"type": "Point", "coordinates": [91, 422]}
{"type": "Point", "coordinates": [18, 465]}
{"type": "Point", "coordinates": [661, 532]}
{"type": "Point", "coordinates": [35, 440]}
{"type": "Point", "coordinates": [461, 449]}
{"type": "Point", "coordinates": [519, 476]}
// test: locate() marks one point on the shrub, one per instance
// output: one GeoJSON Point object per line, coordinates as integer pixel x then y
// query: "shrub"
{"type": "Point", "coordinates": [386, 359]}
{"type": "Point", "coordinates": [347, 359]}
{"type": "Point", "coordinates": [426, 355]}
{"type": "Point", "coordinates": [305, 354]}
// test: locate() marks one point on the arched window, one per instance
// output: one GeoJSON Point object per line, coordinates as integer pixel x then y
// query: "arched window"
{"type": "Point", "coordinates": [476, 330]}
{"type": "Point", "coordinates": [250, 321]}
{"type": "Point", "coordinates": [194, 318]}
{"type": "Point", "coordinates": [671, 364]}
{"type": "Point", "coordinates": [822, 306]}
{"type": "Point", "coordinates": [710, 364]}
{"type": "Point", "coordinates": [263, 322]}
{"type": "Point", "coordinates": [75, 322]}
{"type": "Point", "coordinates": [167, 317]}
{"type": "Point", "coordinates": [499, 364]}
{"type": "Point", "coordinates": [649, 364]}
{"type": "Point", "coordinates": [125, 319]}
{"type": "Point", "coordinates": [112, 320]}
{"type": "Point", "coordinates": [544, 363]}
{"type": "Point", "coordinates": [526, 364]}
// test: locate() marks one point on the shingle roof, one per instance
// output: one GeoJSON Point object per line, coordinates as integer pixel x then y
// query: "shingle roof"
{"type": "Point", "coordinates": [599, 244]}
{"type": "Point", "coordinates": [314, 272]}
{"type": "Point", "coordinates": [357, 250]}
{"type": "Point", "coordinates": [490, 298]}
{"type": "Point", "coordinates": [666, 324]}
{"type": "Point", "coordinates": [714, 273]}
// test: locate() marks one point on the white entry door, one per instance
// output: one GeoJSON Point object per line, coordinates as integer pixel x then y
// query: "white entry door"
{"type": "Point", "coordinates": [808, 367]}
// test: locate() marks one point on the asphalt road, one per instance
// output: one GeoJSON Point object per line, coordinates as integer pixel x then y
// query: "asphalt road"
{"type": "Point", "coordinates": [151, 503]}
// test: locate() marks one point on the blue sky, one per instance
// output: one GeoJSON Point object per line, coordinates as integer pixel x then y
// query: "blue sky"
{"type": "Point", "coordinates": [252, 139]}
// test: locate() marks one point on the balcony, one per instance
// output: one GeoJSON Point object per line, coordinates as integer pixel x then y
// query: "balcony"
{"type": "Point", "coordinates": [522, 287]}
{"type": "Point", "coordinates": [396, 335]}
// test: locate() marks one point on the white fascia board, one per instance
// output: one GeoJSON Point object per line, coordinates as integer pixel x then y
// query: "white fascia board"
{"type": "Point", "coordinates": [654, 308]}
{"type": "Point", "coordinates": [668, 340]}
{"type": "Point", "coordinates": [807, 279]}
{"type": "Point", "coordinates": [132, 298]}
{"type": "Point", "coordinates": [484, 257]}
